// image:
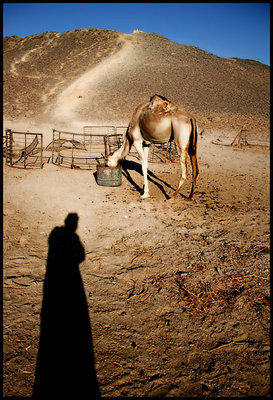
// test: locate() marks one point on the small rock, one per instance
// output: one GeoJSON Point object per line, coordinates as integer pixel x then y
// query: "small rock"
{"type": "Point", "coordinates": [23, 240]}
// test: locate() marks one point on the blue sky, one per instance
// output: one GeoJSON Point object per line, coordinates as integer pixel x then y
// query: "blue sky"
{"type": "Point", "coordinates": [225, 29]}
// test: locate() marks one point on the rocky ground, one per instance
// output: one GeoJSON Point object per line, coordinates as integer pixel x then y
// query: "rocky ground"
{"type": "Point", "coordinates": [100, 76]}
{"type": "Point", "coordinates": [177, 293]}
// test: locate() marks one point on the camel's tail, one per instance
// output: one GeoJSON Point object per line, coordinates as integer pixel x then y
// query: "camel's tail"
{"type": "Point", "coordinates": [193, 138]}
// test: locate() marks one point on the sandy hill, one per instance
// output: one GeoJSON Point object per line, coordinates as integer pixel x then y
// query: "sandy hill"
{"type": "Point", "coordinates": [98, 76]}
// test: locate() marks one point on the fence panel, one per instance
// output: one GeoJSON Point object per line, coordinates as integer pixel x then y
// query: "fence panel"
{"type": "Point", "coordinates": [24, 149]}
{"type": "Point", "coordinates": [99, 130]}
{"type": "Point", "coordinates": [83, 150]}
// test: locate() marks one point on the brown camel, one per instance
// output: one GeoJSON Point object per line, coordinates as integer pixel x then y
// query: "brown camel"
{"type": "Point", "coordinates": [160, 121]}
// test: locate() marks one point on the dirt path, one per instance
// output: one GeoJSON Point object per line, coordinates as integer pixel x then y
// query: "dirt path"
{"type": "Point", "coordinates": [86, 85]}
{"type": "Point", "coordinates": [178, 294]}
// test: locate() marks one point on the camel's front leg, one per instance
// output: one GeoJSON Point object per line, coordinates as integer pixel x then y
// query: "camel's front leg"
{"type": "Point", "coordinates": [146, 193]}
{"type": "Point", "coordinates": [143, 154]}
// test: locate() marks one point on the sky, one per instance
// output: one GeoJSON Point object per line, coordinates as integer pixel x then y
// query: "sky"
{"type": "Point", "coordinates": [225, 29]}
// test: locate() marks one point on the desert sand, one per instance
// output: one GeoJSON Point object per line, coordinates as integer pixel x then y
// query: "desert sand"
{"type": "Point", "coordinates": [177, 293]}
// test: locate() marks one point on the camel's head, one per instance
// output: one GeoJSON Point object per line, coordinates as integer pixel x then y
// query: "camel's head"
{"type": "Point", "coordinates": [111, 161]}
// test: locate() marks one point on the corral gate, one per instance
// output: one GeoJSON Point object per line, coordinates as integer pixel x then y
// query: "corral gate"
{"type": "Point", "coordinates": [24, 149]}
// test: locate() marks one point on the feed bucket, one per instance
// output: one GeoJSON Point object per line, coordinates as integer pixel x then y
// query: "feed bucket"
{"type": "Point", "coordinates": [109, 176]}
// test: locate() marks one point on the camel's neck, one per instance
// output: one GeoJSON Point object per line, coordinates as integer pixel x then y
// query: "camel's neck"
{"type": "Point", "coordinates": [120, 153]}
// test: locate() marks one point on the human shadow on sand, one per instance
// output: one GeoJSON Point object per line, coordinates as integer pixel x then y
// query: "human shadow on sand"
{"type": "Point", "coordinates": [65, 364]}
{"type": "Point", "coordinates": [133, 166]}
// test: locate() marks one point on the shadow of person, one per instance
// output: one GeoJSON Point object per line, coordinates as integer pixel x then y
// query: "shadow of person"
{"type": "Point", "coordinates": [65, 362]}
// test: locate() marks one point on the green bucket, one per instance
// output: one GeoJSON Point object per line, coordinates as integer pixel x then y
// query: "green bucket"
{"type": "Point", "coordinates": [109, 176]}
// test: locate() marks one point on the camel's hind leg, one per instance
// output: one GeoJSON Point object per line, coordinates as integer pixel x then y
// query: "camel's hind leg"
{"type": "Point", "coordinates": [195, 172]}
{"type": "Point", "coordinates": [183, 176]}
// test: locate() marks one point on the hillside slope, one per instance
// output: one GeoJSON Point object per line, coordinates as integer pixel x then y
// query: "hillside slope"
{"type": "Point", "coordinates": [100, 76]}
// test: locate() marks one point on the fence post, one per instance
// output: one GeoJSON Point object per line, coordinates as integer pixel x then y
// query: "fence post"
{"type": "Point", "coordinates": [25, 150]}
{"type": "Point", "coordinates": [41, 151]}
{"type": "Point", "coordinates": [8, 146]}
{"type": "Point", "coordinates": [73, 140]}
{"type": "Point", "coordinates": [106, 145]}
{"type": "Point", "coordinates": [59, 146]}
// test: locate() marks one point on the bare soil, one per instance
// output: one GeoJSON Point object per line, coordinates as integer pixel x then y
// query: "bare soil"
{"type": "Point", "coordinates": [177, 293]}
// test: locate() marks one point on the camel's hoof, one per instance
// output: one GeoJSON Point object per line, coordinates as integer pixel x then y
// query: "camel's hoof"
{"type": "Point", "coordinates": [171, 200]}
{"type": "Point", "coordinates": [145, 196]}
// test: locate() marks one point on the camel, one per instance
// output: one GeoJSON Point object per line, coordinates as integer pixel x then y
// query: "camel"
{"type": "Point", "coordinates": [160, 121]}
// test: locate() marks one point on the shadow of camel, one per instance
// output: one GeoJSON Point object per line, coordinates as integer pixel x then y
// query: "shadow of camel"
{"type": "Point", "coordinates": [133, 166]}
{"type": "Point", "coordinates": [65, 364]}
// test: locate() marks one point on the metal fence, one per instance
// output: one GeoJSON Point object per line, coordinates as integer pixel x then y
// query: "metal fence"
{"type": "Point", "coordinates": [23, 149]}
{"type": "Point", "coordinates": [83, 150]}
{"type": "Point", "coordinates": [163, 153]}
{"type": "Point", "coordinates": [75, 150]}
{"type": "Point", "coordinates": [247, 137]}
{"type": "Point", "coordinates": [99, 130]}
{"type": "Point", "coordinates": [158, 152]}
